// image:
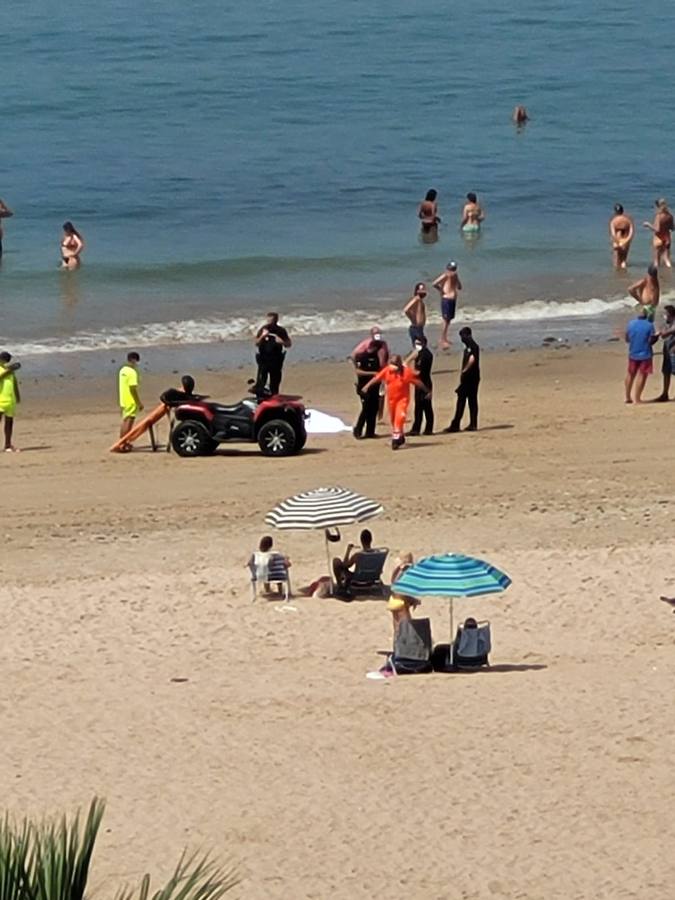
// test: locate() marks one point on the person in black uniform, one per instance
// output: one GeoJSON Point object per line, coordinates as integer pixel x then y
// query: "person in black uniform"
{"type": "Point", "coordinates": [469, 379]}
{"type": "Point", "coordinates": [424, 360]}
{"type": "Point", "coordinates": [367, 364]}
{"type": "Point", "coordinates": [272, 341]}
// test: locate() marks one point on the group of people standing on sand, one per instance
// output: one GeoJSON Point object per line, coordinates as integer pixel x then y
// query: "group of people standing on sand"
{"type": "Point", "coordinates": [641, 334]}
{"type": "Point", "coordinates": [381, 375]}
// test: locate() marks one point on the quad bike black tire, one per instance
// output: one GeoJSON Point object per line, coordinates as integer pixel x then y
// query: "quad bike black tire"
{"type": "Point", "coordinates": [278, 438]}
{"type": "Point", "coordinates": [191, 439]}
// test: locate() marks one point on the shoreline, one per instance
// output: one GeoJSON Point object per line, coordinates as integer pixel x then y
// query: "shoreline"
{"type": "Point", "coordinates": [229, 355]}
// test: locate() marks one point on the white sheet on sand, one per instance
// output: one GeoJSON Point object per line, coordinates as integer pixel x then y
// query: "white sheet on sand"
{"type": "Point", "coordinates": [321, 423]}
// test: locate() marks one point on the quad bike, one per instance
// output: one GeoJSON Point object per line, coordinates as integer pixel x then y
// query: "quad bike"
{"type": "Point", "coordinates": [275, 423]}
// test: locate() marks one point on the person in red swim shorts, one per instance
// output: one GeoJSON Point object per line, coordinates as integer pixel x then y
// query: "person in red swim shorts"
{"type": "Point", "coordinates": [398, 379]}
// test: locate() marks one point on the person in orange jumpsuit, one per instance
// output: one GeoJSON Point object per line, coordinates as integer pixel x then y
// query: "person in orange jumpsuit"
{"type": "Point", "coordinates": [398, 379]}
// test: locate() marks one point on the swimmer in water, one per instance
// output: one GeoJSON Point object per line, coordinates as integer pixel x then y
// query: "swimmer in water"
{"type": "Point", "coordinates": [647, 291]}
{"type": "Point", "coordinates": [472, 215]}
{"type": "Point", "coordinates": [427, 212]}
{"type": "Point", "coordinates": [519, 116]}
{"type": "Point", "coordinates": [71, 247]}
{"type": "Point", "coordinates": [662, 228]}
{"type": "Point", "coordinates": [621, 232]}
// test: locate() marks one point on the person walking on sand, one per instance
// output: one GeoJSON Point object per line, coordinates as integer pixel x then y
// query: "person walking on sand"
{"type": "Point", "coordinates": [72, 245]}
{"type": "Point", "coordinates": [129, 398]}
{"type": "Point", "coordinates": [448, 285]}
{"type": "Point", "coordinates": [640, 338]}
{"type": "Point", "coordinates": [667, 335]}
{"type": "Point", "coordinates": [10, 396]}
{"type": "Point", "coordinates": [647, 291]}
{"type": "Point", "coordinates": [272, 341]}
{"type": "Point", "coordinates": [427, 213]}
{"type": "Point", "coordinates": [398, 379]}
{"type": "Point", "coordinates": [469, 381]}
{"type": "Point", "coordinates": [621, 232]}
{"type": "Point", "coordinates": [5, 213]}
{"type": "Point", "coordinates": [472, 215]}
{"type": "Point", "coordinates": [416, 311]}
{"type": "Point", "coordinates": [662, 228]}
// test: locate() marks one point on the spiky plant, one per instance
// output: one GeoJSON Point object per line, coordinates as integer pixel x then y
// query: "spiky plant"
{"type": "Point", "coordinates": [15, 859]}
{"type": "Point", "coordinates": [51, 860]}
{"type": "Point", "coordinates": [195, 878]}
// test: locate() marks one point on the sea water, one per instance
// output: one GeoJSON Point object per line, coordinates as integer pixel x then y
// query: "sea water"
{"type": "Point", "coordinates": [222, 159]}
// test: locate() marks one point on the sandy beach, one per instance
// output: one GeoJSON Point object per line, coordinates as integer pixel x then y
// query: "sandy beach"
{"type": "Point", "coordinates": [548, 776]}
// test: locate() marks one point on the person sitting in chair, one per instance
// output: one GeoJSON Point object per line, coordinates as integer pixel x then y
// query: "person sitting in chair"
{"type": "Point", "coordinates": [399, 605]}
{"type": "Point", "coordinates": [270, 564]}
{"type": "Point", "coordinates": [343, 569]}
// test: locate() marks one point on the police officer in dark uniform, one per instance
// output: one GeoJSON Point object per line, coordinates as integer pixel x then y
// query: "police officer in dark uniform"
{"type": "Point", "coordinates": [424, 360]}
{"type": "Point", "coordinates": [272, 341]}
{"type": "Point", "coordinates": [367, 363]}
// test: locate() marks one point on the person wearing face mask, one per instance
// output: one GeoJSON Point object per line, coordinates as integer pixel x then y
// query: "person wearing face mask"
{"type": "Point", "coordinates": [423, 361]}
{"type": "Point", "coordinates": [366, 364]}
{"type": "Point", "coordinates": [398, 378]}
{"type": "Point", "coordinates": [416, 311]}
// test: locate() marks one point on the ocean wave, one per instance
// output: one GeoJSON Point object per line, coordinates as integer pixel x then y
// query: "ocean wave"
{"type": "Point", "coordinates": [211, 331]}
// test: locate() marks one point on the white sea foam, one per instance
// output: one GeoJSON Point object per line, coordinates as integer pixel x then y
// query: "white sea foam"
{"type": "Point", "coordinates": [210, 331]}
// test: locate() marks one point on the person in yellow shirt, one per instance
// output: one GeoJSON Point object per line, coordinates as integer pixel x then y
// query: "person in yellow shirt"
{"type": "Point", "coordinates": [9, 397]}
{"type": "Point", "coordinates": [129, 398]}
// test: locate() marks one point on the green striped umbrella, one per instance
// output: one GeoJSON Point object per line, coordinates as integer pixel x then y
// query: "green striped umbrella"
{"type": "Point", "coordinates": [451, 575]}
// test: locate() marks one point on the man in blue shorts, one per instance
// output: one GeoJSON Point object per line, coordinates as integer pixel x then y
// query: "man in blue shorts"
{"type": "Point", "coordinates": [448, 285]}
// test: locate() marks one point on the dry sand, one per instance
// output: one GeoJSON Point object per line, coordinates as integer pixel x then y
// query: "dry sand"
{"type": "Point", "coordinates": [548, 776]}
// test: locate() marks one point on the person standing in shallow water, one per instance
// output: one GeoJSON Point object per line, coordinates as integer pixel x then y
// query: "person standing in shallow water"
{"type": "Point", "coordinates": [647, 291]}
{"type": "Point", "coordinates": [621, 232]}
{"type": "Point", "coordinates": [472, 215]}
{"type": "Point", "coordinates": [72, 245]}
{"type": "Point", "coordinates": [662, 228]}
{"type": "Point", "coordinates": [427, 213]}
{"type": "Point", "coordinates": [5, 213]}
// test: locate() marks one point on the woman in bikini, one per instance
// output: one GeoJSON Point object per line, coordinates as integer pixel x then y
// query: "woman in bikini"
{"type": "Point", "coordinates": [427, 213]}
{"type": "Point", "coordinates": [72, 245]}
{"type": "Point", "coordinates": [472, 215]}
{"type": "Point", "coordinates": [662, 228]}
{"type": "Point", "coordinates": [399, 605]}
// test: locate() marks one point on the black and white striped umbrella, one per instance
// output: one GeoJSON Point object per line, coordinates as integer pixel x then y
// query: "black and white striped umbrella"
{"type": "Point", "coordinates": [325, 507]}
